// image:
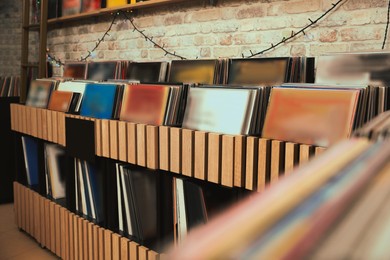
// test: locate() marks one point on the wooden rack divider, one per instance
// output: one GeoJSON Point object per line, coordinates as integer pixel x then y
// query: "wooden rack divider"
{"type": "Point", "coordinates": [234, 161]}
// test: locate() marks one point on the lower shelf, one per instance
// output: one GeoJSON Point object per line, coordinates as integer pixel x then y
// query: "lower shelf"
{"type": "Point", "coordinates": [68, 235]}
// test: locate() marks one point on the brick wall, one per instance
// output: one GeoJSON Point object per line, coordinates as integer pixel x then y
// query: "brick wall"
{"type": "Point", "coordinates": [196, 29]}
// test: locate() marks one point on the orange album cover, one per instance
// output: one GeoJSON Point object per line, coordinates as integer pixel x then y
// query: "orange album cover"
{"type": "Point", "coordinates": [60, 101]}
{"type": "Point", "coordinates": [145, 104]}
{"type": "Point", "coordinates": [310, 116]}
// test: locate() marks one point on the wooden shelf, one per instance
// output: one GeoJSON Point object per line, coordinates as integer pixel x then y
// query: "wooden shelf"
{"type": "Point", "coordinates": [232, 161]}
{"type": "Point", "coordinates": [104, 11]}
{"type": "Point", "coordinates": [68, 235]}
{"type": "Point", "coordinates": [34, 26]}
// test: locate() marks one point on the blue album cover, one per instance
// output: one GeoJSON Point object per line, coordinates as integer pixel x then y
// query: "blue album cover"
{"type": "Point", "coordinates": [30, 150]}
{"type": "Point", "coordinates": [99, 101]}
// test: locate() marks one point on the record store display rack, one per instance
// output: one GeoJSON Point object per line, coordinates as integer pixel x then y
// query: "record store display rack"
{"type": "Point", "coordinates": [120, 159]}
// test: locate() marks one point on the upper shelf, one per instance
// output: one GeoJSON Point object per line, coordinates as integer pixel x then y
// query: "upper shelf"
{"type": "Point", "coordinates": [139, 5]}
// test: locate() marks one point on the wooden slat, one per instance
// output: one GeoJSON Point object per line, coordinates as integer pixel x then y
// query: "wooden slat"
{"type": "Point", "coordinates": [61, 129]}
{"type": "Point", "coordinates": [58, 229]}
{"type": "Point", "coordinates": [251, 163]}
{"type": "Point", "coordinates": [133, 250]}
{"type": "Point", "coordinates": [164, 144]}
{"type": "Point", "coordinates": [65, 232]}
{"type": "Point", "coordinates": [153, 255]}
{"type": "Point", "coordinates": [152, 151]}
{"type": "Point", "coordinates": [34, 122]}
{"type": "Point", "coordinates": [85, 239]}
{"type": "Point", "coordinates": [96, 237]}
{"type": "Point", "coordinates": [107, 244]}
{"type": "Point", "coordinates": [90, 240]}
{"type": "Point", "coordinates": [71, 218]}
{"type": "Point", "coordinates": [141, 144]}
{"type": "Point", "coordinates": [200, 154]}
{"type": "Point", "coordinates": [292, 155]}
{"type": "Point", "coordinates": [98, 137]}
{"type": "Point", "coordinates": [101, 244]}
{"type": "Point", "coordinates": [264, 163]}
{"type": "Point", "coordinates": [49, 119]}
{"type": "Point", "coordinates": [122, 140]}
{"type": "Point", "coordinates": [105, 138]}
{"type": "Point", "coordinates": [80, 238]}
{"type": "Point", "coordinates": [214, 157]}
{"type": "Point", "coordinates": [52, 227]}
{"type": "Point", "coordinates": [39, 123]}
{"type": "Point", "coordinates": [125, 248]}
{"type": "Point", "coordinates": [319, 150]}
{"type": "Point", "coordinates": [26, 121]}
{"type": "Point", "coordinates": [43, 220]}
{"type": "Point", "coordinates": [188, 145]}
{"type": "Point", "coordinates": [132, 143]}
{"type": "Point", "coordinates": [12, 116]}
{"type": "Point", "coordinates": [114, 146]}
{"type": "Point", "coordinates": [227, 168]}
{"type": "Point", "coordinates": [76, 237]}
{"type": "Point", "coordinates": [277, 160]}
{"type": "Point", "coordinates": [37, 218]}
{"type": "Point", "coordinates": [239, 160]}
{"type": "Point", "coordinates": [116, 247]}
{"type": "Point", "coordinates": [54, 121]}
{"type": "Point", "coordinates": [44, 124]}
{"type": "Point", "coordinates": [305, 152]}
{"type": "Point", "coordinates": [47, 226]}
{"type": "Point", "coordinates": [142, 253]}
{"type": "Point", "coordinates": [175, 150]}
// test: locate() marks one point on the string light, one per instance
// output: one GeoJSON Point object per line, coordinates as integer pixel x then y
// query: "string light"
{"type": "Point", "coordinates": [252, 54]}
{"type": "Point", "coordinates": [387, 26]}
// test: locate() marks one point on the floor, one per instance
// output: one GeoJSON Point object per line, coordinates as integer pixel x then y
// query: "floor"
{"type": "Point", "coordinates": [15, 244]}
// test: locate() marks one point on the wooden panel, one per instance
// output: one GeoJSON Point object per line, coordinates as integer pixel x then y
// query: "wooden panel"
{"type": "Point", "coordinates": [277, 160]}
{"type": "Point", "coordinates": [239, 160]}
{"type": "Point", "coordinates": [319, 150]}
{"type": "Point", "coordinates": [44, 124]}
{"type": "Point", "coordinates": [30, 203]}
{"type": "Point", "coordinates": [122, 140]}
{"type": "Point", "coordinates": [26, 120]}
{"type": "Point", "coordinates": [152, 147]}
{"type": "Point", "coordinates": [98, 137]}
{"type": "Point", "coordinates": [54, 121]}
{"type": "Point", "coordinates": [305, 152]}
{"type": "Point", "coordinates": [61, 128]}
{"type": "Point", "coordinates": [116, 247]}
{"type": "Point", "coordinates": [142, 253]}
{"type": "Point", "coordinates": [39, 123]}
{"type": "Point", "coordinates": [37, 222]}
{"type": "Point", "coordinates": [49, 125]}
{"type": "Point", "coordinates": [52, 227]}
{"type": "Point", "coordinates": [71, 218]}
{"type": "Point", "coordinates": [164, 147]}
{"type": "Point", "coordinates": [107, 244]}
{"type": "Point", "coordinates": [175, 150]}
{"type": "Point", "coordinates": [34, 122]}
{"type": "Point", "coordinates": [105, 138]}
{"type": "Point", "coordinates": [47, 224]}
{"type": "Point", "coordinates": [141, 144]}
{"type": "Point", "coordinates": [90, 240]}
{"type": "Point", "coordinates": [114, 146]}
{"type": "Point", "coordinates": [264, 163]}
{"type": "Point", "coordinates": [125, 248]}
{"type": "Point", "coordinates": [227, 168]}
{"type": "Point", "coordinates": [133, 250]}
{"type": "Point", "coordinates": [188, 139]}
{"type": "Point", "coordinates": [58, 234]}
{"type": "Point", "coordinates": [200, 164]}
{"type": "Point", "coordinates": [76, 237]}
{"type": "Point", "coordinates": [95, 242]}
{"type": "Point", "coordinates": [153, 255]}
{"type": "Point", "coordinates": [43, 220]}
{"type": "Point", "coordinates": [214, 157]}
{"type": "Point", "coordinates": [80, 238]}
{"type": "Point", "coordinates": [12, 115]}
{"type": "Point", "coordinates": [131, 143]}
{"type": "Point", "coordinates": [101, 244]}
{"type": "Point", "coordinates": [85, 239]}
{"type": "Point", "coordinates": [251, 163]}
{"type": "Point", "coordinates": [65, 233]}
{"type": "Point", "coordinates": [292, 155]}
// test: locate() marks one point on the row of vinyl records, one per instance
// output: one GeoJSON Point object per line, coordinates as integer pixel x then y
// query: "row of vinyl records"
{"type": "Point", "coordinates": [269, 71]}
{"type": "Point", "coordinates": [58, 8]}
{"type": "Point", "coordinates": [335, 207]}
{"type": "Point", "coordinates": [308, 114]}
{"type": "Point", "coordinates": [153, 209]}
{"type": "Point", "coordinates": [9, 86]}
